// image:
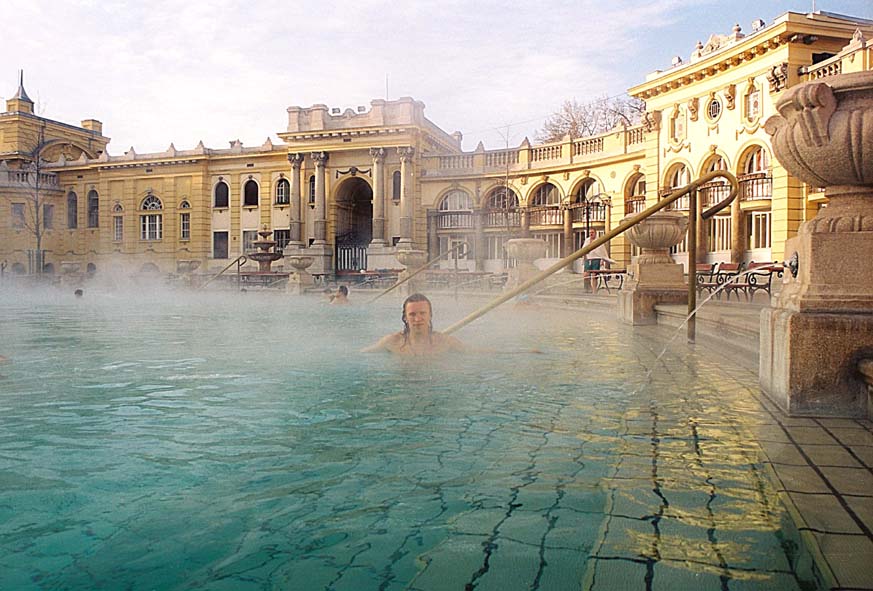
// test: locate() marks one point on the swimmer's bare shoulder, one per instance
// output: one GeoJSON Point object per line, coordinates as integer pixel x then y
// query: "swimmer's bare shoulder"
{"type": "Point", "coordinates": [390, 343]}
{"type": "Point", "coordinates": [444, 342]}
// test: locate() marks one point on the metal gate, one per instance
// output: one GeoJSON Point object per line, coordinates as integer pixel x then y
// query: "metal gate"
{"type": "Point", "coordinates": [351, 257]}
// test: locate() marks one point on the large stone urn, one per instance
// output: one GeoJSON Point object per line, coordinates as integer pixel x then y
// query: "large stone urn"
{"type": "Point", "coordinates": [300, 279]}
{"type": "Point", "coordinates": [412, 260]}
{"type": "Point", "coordinates": [821, 323]}
{"type": "Point", "coordinates": [525, 251]}
{"type": "Point", "coordinates": [654, 278]}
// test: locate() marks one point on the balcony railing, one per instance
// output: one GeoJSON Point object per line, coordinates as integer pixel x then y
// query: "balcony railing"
{"type": "Point", "coordinates": [462, 161]}
{"type": "Point", "coordinates": [829, 67]}
{"type": "Point", "coordinates": [502, 218]}
{"type": "Point", "coordinates": [755, 186]}
{"type": "Point", "coordinates": [546, 216]}
{"type": "Point", "coordinates": [635, 204]}
{"type": "Point", "coordinates": [26, 179]}
{"type": "Point", "coordinates": [596, 212]}
{"type": "Point", "coordinates": [546, 153]}
{"type": "Point", "coordinates": [712, 193]}
{"type": "Point", "coordinates": [681, 204]}
{"type": "Point", "coordinates": [449, 220]}
{"type": "Point", "coordinates": [587, 146]}
{"type": "Point", "coordinates": [501, 159]}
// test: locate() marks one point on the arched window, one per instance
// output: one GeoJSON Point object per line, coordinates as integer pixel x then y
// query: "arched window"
{"type": "Point", "coordinates": [588, 189]}
{"type": "Point", "coordinates": [678, 177]}
{"type": "Point", "coordinates": [151, 224]}
{"type": "Point", "coordinates": [250, 194]}
{"type": "Point", "coordinates": [502, 198]}
{"type": "Point", "coordinates": [758, 160]}
{"type": "Point", "coordinates": [715, 164]}
{"type": "Point", "coordinates": [283, 192]}
{"type": "Point", "coordinates": [395, 187]}
{"type": "Point", "coordinates": [72, 210]}
{"type": "Point", "coordinates": [222, 195]}
{"type": "Point", "coordinates": [456, 201]}
{"type": "Point", "coordinates": [635, 194]}
{"type": "Point", "coordinates": [185, 221]}
{"type": "Point", "coordinates": [546, 195]}
{"type": "Point", "coordinates": [637, 186]}
{"type": "Point", "coordinates": [755, 182]}
{"type": "Point", "coordinates": [93, 209]}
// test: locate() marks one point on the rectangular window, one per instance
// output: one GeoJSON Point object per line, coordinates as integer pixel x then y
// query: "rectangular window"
{"type": "Point", "coordinates": [17, 215]}
{"type": "Point", "coordinates": [249, 238]}
{"type": "Point", "coordinates": [719, 234]}
{"type": "Point", "coordinates": [554, 241]}
{"type": "Point", "coordinates": [758, 226]}
{"type": "Point", "coordinates": [494, 247]}
{"type": "Point", "coordinates": [185, 226]}
{"type": "Point", "coordinates": [282, 238]}
{"type": "Point", "coordinates": [48, 216]}
{"type": "Point", "coordinates": [118, 226]}
{"type": "Point", "coordinates": [219, 245]}
{"type": "Point", "coordinates": [151, 226]}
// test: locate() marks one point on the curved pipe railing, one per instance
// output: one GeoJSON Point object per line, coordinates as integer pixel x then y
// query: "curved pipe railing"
{"type": "Point", "coordinates": [419, 270]}
{"type": "Point", "coordinates": [238, 261]}
{"type": "Point", "coordinates": [691, 188]}
{"type": "Point", "coordinates": [691, 325]}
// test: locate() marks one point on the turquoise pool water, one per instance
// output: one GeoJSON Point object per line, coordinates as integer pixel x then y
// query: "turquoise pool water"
{"type": "Point", "coordinates": [239, 441]}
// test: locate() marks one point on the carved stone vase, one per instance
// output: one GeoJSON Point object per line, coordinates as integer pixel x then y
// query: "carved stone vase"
{"type": "Point", "coordinates": [654, 278]}
{"type": "Point", "coordinates": [300, 278]}
{"type": "Point", "coordinates": [821, 323]}
{"type": "Point", "coordinates": [412, 260]}
{"type": "Point", "coordinates": [525, 251]}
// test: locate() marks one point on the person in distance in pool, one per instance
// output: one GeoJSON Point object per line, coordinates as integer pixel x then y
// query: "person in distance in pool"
{"type": "Point", "coordinates": [418, 336]}
{"type": "Point", "coordinates": [341, 297]}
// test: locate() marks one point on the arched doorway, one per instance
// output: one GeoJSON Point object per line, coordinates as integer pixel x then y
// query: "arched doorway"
{"type": "Point", "coordinates": [354, 224]}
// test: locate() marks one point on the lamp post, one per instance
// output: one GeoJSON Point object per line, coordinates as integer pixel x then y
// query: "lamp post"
{"type": "Point", "coordinates": [601, 199]}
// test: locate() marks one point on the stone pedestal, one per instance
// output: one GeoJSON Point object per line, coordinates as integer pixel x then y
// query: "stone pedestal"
{"type": "Point", "coordinates": [300, 279]}
{"type": "Point", "coordinates": [525, 251]}
{"type": "Point", "coordinates": [653, 278]}
{"type": "Point", "coordinates": [821, 324]}
{"type": "Point", "coordinates": [322, 257]}
{"type": "Point", "coordinates": [412, 260]}
{"type": "Point", "coordinates": [381, 256]}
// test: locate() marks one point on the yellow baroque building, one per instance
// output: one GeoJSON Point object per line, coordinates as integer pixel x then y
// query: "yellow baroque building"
{"type": "Point", "coordinates": [352, 187]}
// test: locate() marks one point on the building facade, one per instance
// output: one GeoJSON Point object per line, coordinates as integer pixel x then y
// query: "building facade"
{"type": "Point", "coordinates": [352, 187]}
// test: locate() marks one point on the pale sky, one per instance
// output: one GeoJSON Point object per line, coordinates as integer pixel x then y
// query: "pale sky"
{"type": "Point", "coordinates": [158, 71]}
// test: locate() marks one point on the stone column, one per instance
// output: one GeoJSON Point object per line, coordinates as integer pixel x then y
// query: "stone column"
{"type": "Point", "coordinates": [479, 238]}
{"type": "Point", "coordinates": [378, 155]}
{"type": "Point", "coordinates": [568, 233]}
{"type": "Point", "coordinates": [738, 232]}
{"type": "Point", "coordinates": [407, 197]}
{"type": "Point", "coordinates": [296, 161]}
{"type": "Point", "coordinates": [320, 159]}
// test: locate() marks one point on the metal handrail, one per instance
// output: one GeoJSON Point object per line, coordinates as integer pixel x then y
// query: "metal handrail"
{"type": "Point", "coordinates": [419, 270]}
{"type": "Point", "coordinates": [622, 227]}
{"type": "Point", "coordinates": [239, 261]}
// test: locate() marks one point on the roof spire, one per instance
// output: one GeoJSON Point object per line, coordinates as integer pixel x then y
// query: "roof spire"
{"type": "Point", "coordinates": [21, 94]}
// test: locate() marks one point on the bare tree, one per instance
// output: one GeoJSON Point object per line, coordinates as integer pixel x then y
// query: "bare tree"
{"type": "Point", "coordinates": [584, 119]}
{"type": "Point", "coordinates": [31, 215]}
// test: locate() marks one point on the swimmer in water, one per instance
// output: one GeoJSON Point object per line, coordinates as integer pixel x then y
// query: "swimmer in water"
{"type": "Point", "coordinates": [78, 293]}
{"type": "Point", "coordinates": [341, 296]}
{"type": "Point", "coordinates": [418, 336]}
